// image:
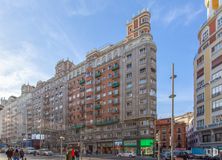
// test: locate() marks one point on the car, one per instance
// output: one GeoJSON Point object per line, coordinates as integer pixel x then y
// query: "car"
{"type": "Point", "coordinates": [44, 152]}
{"type": "Point", "coordinates": [29, 150]}
{"type": "Point", "coordinates": [3, 150]}
{"type": "Point", "coordinates": [165, 155]}
{"type": "Point", "coordinates": [126, 154]}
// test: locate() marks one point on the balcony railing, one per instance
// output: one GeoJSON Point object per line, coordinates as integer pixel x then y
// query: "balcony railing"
{"type": "Point", "coordinates": [200, 101]}
{"type": "Point", "coordinates": [216, 109]}
{"type": "Point", "coordinates": [216, 94]}
{"type": "Point", "coordinates": [98, 74]}
{"type": "Point", "coordinates": [115, 67]}
{"type": "Point", "coordinates": [78, 126]}
{"type": "Point", "coordinates": [82, 81]}
{"type": "Point", "coordinates": [115, 84]}
{"type": "Point", "coordinates": [200, 114]}
{"type": "Point", "coordinates": [106, 122]}
{"type": "Point", "coordinates": [98, 106]}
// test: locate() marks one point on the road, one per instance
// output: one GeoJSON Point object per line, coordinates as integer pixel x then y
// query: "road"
{"type": "Point", "coordinates": [31, 157]}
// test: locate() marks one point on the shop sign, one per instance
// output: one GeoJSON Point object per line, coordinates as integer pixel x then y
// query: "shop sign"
{"type": "Point", "coordinates": [146, 142]}
{"type": "Point", "coordinates": [118, 143]}
{"type": "Point", "coordinates": [130, 143]}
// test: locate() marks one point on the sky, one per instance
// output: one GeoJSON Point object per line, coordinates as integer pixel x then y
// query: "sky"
{"type": "Point", "coordinates": [36, 34]}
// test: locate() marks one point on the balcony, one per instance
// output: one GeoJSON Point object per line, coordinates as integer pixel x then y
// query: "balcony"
{"type": "Point", "coordinates": [115, 67]}
{"type": "Point", "coordinates": [200, 114]}
{"type": "Point", "coordinates": [217, 109]}
{"type": "Point", "coordinates": [106, 122]}
{"type": "Point", "coordinates": [82, 81]}
{"type": "Point", "coordinates": [97, 107]}
{"type": "Point", "coordinates": [115, 84]}
{"type": "Point", "coordinates": [116, 75]}
{"type": "Point", "coordinates": [78, 126]}
{"type": "Point", "coordinates": [98, 82]}
{"type": "Point", "coordinates": [216, 94]}
{"type": "Point", "coordinates": [200, 101]}
{"type": "Point", "coordinates": [115, 103]}
{"type": "Point", "coordinates": [98, 74]}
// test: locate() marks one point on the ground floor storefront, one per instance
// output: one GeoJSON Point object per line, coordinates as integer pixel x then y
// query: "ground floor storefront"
{"type": "Point", "coordinates": [138, 146]}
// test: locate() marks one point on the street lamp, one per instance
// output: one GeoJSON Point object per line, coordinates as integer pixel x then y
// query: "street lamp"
{"type": "Point", "coordinates": [172, 96]}
{"type": "Point", "coordinates": [61, 139]}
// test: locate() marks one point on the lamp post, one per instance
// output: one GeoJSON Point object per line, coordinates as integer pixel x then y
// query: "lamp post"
{"type": "Point", "coordinates": [61, 139]}
{"type": "Point", "coordinates": [172, 96]}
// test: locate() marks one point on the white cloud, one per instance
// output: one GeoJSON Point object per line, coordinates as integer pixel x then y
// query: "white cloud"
{"type": "Point", "coordinates": [17, 67]}
{"type": "Point", "coordinates": [186, 13]}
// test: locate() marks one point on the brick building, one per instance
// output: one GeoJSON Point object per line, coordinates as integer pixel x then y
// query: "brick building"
{"type": "Point", "coordinates": [163, 127]}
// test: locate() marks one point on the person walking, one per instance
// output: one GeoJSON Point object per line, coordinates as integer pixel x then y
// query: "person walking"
{"type": "Point", "coordinates": [73, 154]}
{"type": "Point", "coordinates": [16, 155]}
{"type": "Point", "coordinates": [77, 154]}
{"type": "Point", "coordinates": [9, 153]}
{"type": "Point", "coordinates": [22, 154]}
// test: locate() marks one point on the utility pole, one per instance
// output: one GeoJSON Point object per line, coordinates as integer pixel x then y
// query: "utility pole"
{"type": "Point", "coordinates": [172, 96]}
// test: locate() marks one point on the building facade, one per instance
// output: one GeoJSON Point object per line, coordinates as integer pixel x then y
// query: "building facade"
{"type": "Point", "coordinates": [207, 80]}
{"type": "Point", "coordinates": [105, 104]}
{"type": "Point", "coordinates": [112, 94]}
{"type": "Point", "coordinates": [163, 127]}
{"type": "Point", "coordinates": [14, 117]}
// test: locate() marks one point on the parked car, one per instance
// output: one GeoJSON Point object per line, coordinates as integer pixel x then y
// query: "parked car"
{"type": "Point", "coordinates": [44, 152]}
{"type": "Point", "coordinates": [3, 150]}
{"type": "Point", "coordinates": [165, 155]}
{"type": "Point", "coordinates": [126, 154]}
{"type": "Point", "coordinates": [29, 150]}
{"type": "Point", "coordinates": [184, 155]}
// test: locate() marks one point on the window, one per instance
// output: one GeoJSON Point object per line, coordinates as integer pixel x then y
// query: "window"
{"type": "Point", "coordinates": [116, 92]}
{"type": "Point", "coordinates": [205, 35]}
{"type": "Point", "coordinates": [217, 105]}
{"type": "Point", "coordinates": [200, 110]}
{"type": "Point", "coordinates": [129, 56]}
{"type": "Point", "coordinates": [129, 66]}
{"type": "Point", "coordinates": [128, 104]}
{"type": "Point", "coordinates": [143, 101]}
{"type": "Point", "coordinates": [200, 98]}
{"type": "Point", "coordinates": [164, 130]}
{"type": "Point", "coordinates": [216, 48]}
{"type": "Point", "coordinates": [142, 70]}
{"type": "Point", "coordinates": [178, 130]}
{"type": "Point", "coordinates": [142, 81]}
{"type": "Point", "coordinates": [200, 60]}
{"type": "Point", "coordinates": [179, 137]}
{"type": "Point", "coordinates": [130, 113]}
{"type": "Point", "coordinates": [129, 85]}
{"type": "Point", "coordinates": [217, 75]}
{"type": "Point", "coordinates": [200, 123]}
{"type": "Point", "coordinates": [216, 91]}
{"type": "Point", "coordinates": [219, 22]}
{"type": "Point", "coordinates": [129, 75]}
{"type": "Point", "coordinates": [88, 82]}
{"type": "Point", "coordinates": [110, 93]}
{"type": "Point", "coordinates": [142, 50]}
{"type": "Point", "coordinates": [144, 20]}
{"type": "Point", "coordinates": [129, 94]}
{"type": "Point", "coordinates": [152, 92]}
{"type": "Point", "coordinates": [109, 101]}
{"type": "Point", "coordinates": [217, 118]}
{"type": "Point", "coordinates": [218, 137]}
{"type": "Point", "coordinates": [207, 138]}
{"type": "Point", "coordinates": [88, 90]}
{"type": "Point", "coordinates": [142, 60]}
{"type": "Point", "coordinates": [200, 85]}
{"type": "Point", "coordinates": [142, 91]}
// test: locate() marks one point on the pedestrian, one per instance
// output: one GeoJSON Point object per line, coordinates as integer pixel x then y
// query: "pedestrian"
{"type": "Point", "coordinates": [77, 154]}
{"type": "Point", "coordinates": [16, 155]}
{"type": "Point", "coordinates": [9, 153]}
{"type": "Point", "coordinates": [73, 154]}
{"type": "Point", "coordinates": [22, 154]}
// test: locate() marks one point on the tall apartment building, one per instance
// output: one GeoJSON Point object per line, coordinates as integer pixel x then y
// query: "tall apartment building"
{"type": "Point", "coordinates": [14, 116]}
{"type": "Point", "coordinates": [207, 79]}
{"type": "Point", "coordinates": [47, 118]}
{"type": "Point", "coordinates": [112, 94]}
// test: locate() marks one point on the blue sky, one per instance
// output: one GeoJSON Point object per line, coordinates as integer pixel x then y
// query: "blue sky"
{"type": "Point", "coordinates": [35, 34]}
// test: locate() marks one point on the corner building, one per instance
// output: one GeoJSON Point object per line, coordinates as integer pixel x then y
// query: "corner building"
{"type": "Point", "coordinates": [112, 95]}
{"type": "Point", "coordinates": [207, 80]}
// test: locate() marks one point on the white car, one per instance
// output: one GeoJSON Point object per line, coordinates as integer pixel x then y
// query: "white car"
{"type": "Point", "coordinates": [126, 154]}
